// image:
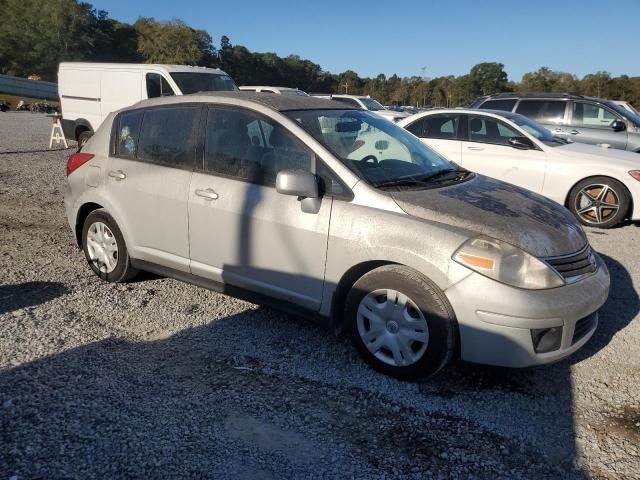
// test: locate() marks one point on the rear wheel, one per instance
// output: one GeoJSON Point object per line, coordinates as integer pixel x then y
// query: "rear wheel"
{"type": "Point", "coordinates": [600, 202]}
{"type": "Point", "coordinates": [104, 248]}
{"type": "Point", "coordinates": [401, 322]}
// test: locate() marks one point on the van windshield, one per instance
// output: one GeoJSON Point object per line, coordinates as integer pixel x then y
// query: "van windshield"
{"type": "Point", "coordinates": [193, 82]}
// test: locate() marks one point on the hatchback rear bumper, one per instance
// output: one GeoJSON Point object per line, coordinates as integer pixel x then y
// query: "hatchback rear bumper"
{"type": "Point", "coordinates": [496, 320]}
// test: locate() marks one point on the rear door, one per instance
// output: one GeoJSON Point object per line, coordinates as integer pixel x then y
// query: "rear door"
{"type": "Point", "coordinates": [149, 175]}
{"type": "Point", "coordinates": [591, 123]}
{"type": "Point", "coordinates": [440, 132]}
{"type": "Point", "coordinates": [488, 152]}
{"type": "Point", "coordinates": [242, 231]}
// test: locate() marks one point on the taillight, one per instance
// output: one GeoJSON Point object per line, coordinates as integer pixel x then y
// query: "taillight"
{"type": "Point", "coordinates": [77, 160]}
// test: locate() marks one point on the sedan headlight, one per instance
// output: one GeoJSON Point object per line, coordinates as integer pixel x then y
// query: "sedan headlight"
{"type": "Point", "coordinates": [506, 264]}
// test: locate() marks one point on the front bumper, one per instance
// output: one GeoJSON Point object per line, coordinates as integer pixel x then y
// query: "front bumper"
{"type": "Point", "coordinates": [495, 320]}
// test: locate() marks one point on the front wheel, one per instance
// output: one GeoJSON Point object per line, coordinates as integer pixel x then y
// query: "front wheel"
{"type": "Point", "coordinates": [401, 323]}
{"type": "Point", "coordinates": [600, 202]}
{"type": "Point", "coordinates": [104, 248]}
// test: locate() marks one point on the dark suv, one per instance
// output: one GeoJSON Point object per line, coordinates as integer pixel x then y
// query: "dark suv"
{"type": "Point", "coordinates": [581, 119]}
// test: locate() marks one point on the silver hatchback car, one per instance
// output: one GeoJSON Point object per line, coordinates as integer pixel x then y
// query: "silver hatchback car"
{"type": "Point", "coordinates": [336, 214]}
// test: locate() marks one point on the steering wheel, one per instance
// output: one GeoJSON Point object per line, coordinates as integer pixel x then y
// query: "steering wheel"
{"type": "Point", "coordinates": [370, 159]}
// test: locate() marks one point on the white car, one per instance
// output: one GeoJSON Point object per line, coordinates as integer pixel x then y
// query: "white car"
{"type": "Point", "coordinates": [627, 106]}
{"type": "Point", "coordinates": [600, 186]}
{"type": "Point", "coordinates": [278, 90]}
{"type": "Point", "coordinates": [367, 103]}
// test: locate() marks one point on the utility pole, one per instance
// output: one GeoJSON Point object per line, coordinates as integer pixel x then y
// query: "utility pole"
{"type": "Point", "coordinates": [346, 88]}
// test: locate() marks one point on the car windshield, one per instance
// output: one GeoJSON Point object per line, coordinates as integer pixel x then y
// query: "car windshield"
{"type": "Point", "coordinates": [535, 129]}
{"type": "Point", "coordinates": [193, 82]}
{"type": "Point", "coordinates": [384, 154]}
{"type": "Point", "coordinates": [628, 114]}
{"type": "Point", "coordinates": [371, 104]}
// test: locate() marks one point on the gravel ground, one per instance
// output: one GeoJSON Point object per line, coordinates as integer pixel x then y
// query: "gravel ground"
{"type": "Point", "coordinates": [157, 378]}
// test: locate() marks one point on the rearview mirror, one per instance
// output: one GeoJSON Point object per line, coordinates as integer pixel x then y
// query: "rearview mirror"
{"type": "Point", "coordinates": [300, 183]}
{"type": "Point", "coordinates": [521, 143]}
{"type": "Point", "coordinates": [618, 126]}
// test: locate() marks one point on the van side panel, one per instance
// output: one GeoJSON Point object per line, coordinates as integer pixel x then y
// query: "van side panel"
{"type": "Point", "coordinates": [120, 89]}
{"type": "Point", "coordinates": [79, 91]}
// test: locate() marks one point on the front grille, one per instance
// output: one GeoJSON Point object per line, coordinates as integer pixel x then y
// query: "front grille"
{"type": "Point", "coordinates": [573, 266]}
{"type": "Point", "coordinates": [584, 326]}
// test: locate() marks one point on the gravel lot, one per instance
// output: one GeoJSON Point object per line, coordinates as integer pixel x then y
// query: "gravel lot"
{"type": "Point", "coordinates": [158, 379]}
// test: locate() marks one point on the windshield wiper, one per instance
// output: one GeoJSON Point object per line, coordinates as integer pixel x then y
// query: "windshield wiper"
{"type": "Point", "coordinates": [422, 180]}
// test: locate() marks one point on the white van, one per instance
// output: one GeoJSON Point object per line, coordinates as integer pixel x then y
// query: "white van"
{"type": "Point", "coordinates": [90, 91]}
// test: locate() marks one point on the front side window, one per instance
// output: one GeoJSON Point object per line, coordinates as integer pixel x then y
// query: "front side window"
{"type": "Point", "coordinates": [543, 111]}
{"type": "Point", "coordinates": [489, 130]}
{"type": "Point", "coordinates": [502, 104]}
{"type": "Point", "coordinates": [250, 147]}
{"type": "Point", "coordinates": [157, 86]}
{"type": "Point", "coordinates": [379, 151]}
{"type": "Point", "coordinates": [128, 133]}
{"type": "Point", "coordinates": [591, 115]}
{"type": "Point", "coordinates": [194, 82]}
{"type": "Point", "coordinates": [167, 136]}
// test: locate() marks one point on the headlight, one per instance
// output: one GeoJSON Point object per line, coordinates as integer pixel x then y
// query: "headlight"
{"type": "Point", "coordinates": [506, 264]}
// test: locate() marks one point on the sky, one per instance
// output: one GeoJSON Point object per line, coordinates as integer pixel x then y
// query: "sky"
{"type": "Point", "coordinates": [422, 37]}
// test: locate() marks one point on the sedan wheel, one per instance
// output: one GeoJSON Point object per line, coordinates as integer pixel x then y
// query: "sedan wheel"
{"type": "Point", "coordinates": [599, 202]}
{"type": "Point", "coordinates": [102, 247]}
{"type": "Point", "coordinates": [401, 322]}
{"type": "Point", "coordinates": [392, 327]}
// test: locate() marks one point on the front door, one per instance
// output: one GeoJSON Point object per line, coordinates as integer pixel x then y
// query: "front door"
{"type": "Point", "coordinates": [591, 123]}
{"type": "Point", "coordinates": [242, 231]}
{"type": "Point", "coordinates": [149, 180]}
{"type": "Point", "coordinates": [488, 152]}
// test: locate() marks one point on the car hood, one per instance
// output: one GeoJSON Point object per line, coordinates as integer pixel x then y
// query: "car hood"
{"type": "Point", "coordinates": [500, 210]}
{"type": "Point", "coordinates": [593, 152]}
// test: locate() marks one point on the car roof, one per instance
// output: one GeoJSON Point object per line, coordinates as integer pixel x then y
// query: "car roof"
{"type": "Point", "coordinates": [138, 66]}
{"type": "Point", "coordinates": [267, 86]}
{"type": "Point", "coordinates": [468, 111]}
{"type": "Point", "coordinates": [274, 101]}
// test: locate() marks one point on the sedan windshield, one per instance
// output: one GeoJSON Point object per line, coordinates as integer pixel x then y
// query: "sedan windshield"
{"type": "Point", "coordinates": [371, 104]}
{"type": "Point", "coordinates": [628, 114]}
{"type": "Point", "coordinates": [384, 154]}
{"type": "Point", "coordinates": [193, 82]}
{"type": "Point", "coordinates": [535, 129]}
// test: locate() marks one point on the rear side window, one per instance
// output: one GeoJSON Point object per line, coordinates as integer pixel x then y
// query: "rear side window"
{"type": "Point", "coordinates": [443, 127]}
{"type": "Point", "coordinates": [502, 104]}
{"type": "Point", "coordinates": [128, 133]}
{"type": "Point", "coordinates": [167, 136]}
{"type": "Point", "coordinates": [247, 146]}
{"type": "Point", "coordinates": [543, 111]}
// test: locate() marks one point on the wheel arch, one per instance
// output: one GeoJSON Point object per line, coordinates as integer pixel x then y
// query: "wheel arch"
{"type": "Point", "coordinates": [568, 196]}
{"type": "Point", "coordinates": [83, 213]}
{"type": "Point", "coordinates": [82, 125]}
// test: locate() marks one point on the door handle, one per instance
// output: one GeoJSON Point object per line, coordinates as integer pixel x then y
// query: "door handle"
{"type": "Point", "coordinates": [475, 148]}
{"type": "Point", "coordinates": [117, 174]}
{"type": "Point", "coordinates": [574, 132]}
{"type": "Point", "coordinates": [207, 193]}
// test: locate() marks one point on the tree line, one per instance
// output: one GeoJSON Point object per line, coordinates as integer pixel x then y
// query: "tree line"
{"type": "Point", "coordinates": [36, 36]}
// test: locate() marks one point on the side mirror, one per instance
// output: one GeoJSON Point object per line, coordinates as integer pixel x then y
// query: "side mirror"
{"type": "Point", "coordinates": [618, 126]}
{"type": "Point", "coordinates": [300, 183]}
{"type": "Point", "coordinates": [521, 143]}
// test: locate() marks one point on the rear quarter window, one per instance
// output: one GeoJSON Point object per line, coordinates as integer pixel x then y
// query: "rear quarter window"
{"type": "Point", "coordinates": [128, 133]}
{"type": "Point", "coordinates": [504, 104]}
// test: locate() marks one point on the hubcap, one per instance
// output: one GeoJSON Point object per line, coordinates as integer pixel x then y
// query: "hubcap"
{"type": "Point", "coordinates": [392, 327]}
{"type": "Point", "coordinates": [102, 247]}
{"type": "Point", "coordinates": [597, 203]}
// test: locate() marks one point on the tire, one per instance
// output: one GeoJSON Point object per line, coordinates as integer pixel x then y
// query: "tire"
{"type": "Point", "coordinates": [424, 304]}
{"type": "Point", "coordinates": [100, 233]}
{"type": "Point", "coordinates": [590, 197]}
{"type": "Point", "coordinates": [84, 138]}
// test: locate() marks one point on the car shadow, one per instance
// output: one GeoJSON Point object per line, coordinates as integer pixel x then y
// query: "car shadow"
{"type": "Point", "coordinates": [16, 296]}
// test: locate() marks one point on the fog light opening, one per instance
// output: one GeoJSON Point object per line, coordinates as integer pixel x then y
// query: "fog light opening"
{"type": "Point", "coordinates": [546, 339]}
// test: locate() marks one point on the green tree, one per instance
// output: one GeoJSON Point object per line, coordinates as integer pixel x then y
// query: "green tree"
{"type": "Point", "coordinates": [172, 42]}
{"type": "Point", "coordinates": [597, 84]}
{"type": "Point", "coordinates": [488, 78]}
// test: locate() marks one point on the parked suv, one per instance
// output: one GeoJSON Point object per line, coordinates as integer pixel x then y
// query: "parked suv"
{"type": "Point", "coordinates": [263, 197]}
{"type": "Point", "coordinates": [574, 117]}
